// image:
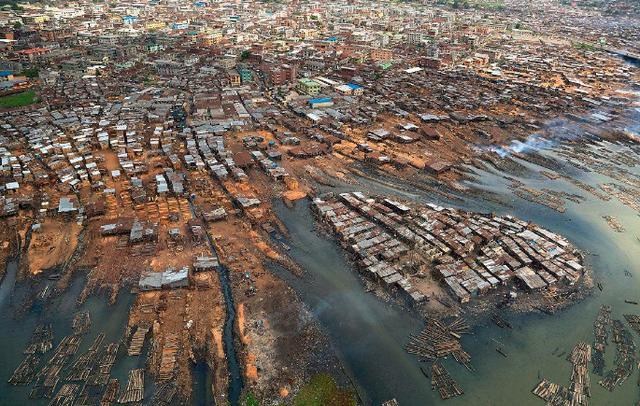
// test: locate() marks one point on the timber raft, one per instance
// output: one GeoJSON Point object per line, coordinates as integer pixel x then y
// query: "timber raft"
{"type": "Point", "coordinates": [134, 391]}
{"type": "Point", "coordinates": [579, 391]}
{"type": "Point", "coordinates": [137, 340]}
{"type": "Point", "coordinates": [439, 340]}
{"type": "Point", "coordinates": [443, 382]}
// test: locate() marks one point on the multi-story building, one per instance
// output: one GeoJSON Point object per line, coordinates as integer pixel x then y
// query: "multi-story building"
{"type": "Point", "coordinates": [308, 86]}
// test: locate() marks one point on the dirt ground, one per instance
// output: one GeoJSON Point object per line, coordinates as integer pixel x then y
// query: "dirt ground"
{"type": "Point", "coordinates": [53, 244]}
{"type": "Point", "coordinates": [276, 332]}
{"type": "Point", "coordinates": [187, 327]}
{"type": "Point", "coordinates": [9, 242]}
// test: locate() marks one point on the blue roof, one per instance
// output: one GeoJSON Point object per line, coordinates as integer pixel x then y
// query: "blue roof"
{"type": "Point", "coordinates": [5, 73]}
{"type": "Point", "coordinates": [332, 39]}
{"type": "Point", "coordinates": [354, 86]}
{"type": "Point", "coordinates": [320, 100]}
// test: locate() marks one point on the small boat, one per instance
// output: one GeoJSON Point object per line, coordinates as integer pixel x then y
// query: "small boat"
{"type": "Point", "coordinates": [631, 302]}
{"type": "Point", "coordinates": [425, 372]}
{"type": "Point", "coordinates": [500, 322]}
{"type": "Point", "coordinates": [543, 310]}
{"type": "Point", "coordinates": [499, 350]}
{"type": "Point", "coordinates": [600, 286]}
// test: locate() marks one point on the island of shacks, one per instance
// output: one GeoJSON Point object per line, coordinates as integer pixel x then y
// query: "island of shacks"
{"type": "Point", "coordinates": [296, 202]}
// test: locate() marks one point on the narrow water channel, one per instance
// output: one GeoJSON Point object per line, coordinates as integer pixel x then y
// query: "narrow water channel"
{"type": "Point", "coordinates": [228, 336]}
{"type": "Point", "coordinates": [367, 333]}
{"type": "Point", "coordinates": [202, 381]}
{"type": "Point", "coordinates": [236, 382]}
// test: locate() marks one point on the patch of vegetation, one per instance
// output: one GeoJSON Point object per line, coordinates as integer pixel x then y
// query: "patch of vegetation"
{"type": "Point", "coordinates": [12, 4]}
{"type": "Point", "coordinates": [245, 55]}
{"type": "Point", "coordinates": [323, 390]}
{"type": "Point", "coordinates": [31, 73]}
{"type": "Point", "coordinates": [584, 46]}
{"type": "Point", "coordinates": [250, 400]}
{"type": "Point", "coordinates": [18, 99]}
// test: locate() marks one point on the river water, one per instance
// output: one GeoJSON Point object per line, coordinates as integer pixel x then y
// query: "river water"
{"type": "Point", "coordinates": [21, 310]}
{"type": "Point", "coordinates": [369, 334]}
{"type": "Point", "coordinates": [18, 323]}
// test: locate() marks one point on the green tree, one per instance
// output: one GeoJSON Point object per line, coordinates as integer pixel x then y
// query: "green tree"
{"type": "Point", "coordinates": [31, 73]}
{"type": "Point", "coordinates": [245, 54]}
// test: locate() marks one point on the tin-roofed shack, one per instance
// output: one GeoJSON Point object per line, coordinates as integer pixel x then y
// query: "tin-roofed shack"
{"type": "Point", "coordinates": [170, 278]}
{"type": "Point", "coordinates": [438, 167]}
{"type": "Point", "coordinates": [206, 263]}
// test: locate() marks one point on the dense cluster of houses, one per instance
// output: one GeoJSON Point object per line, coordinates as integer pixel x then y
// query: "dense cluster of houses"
{"type": "Point", "coordinates": [469, 253]}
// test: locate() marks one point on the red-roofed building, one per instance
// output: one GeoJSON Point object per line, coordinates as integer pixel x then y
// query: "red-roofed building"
{"type": "Point", "coordinates": [31, 54]}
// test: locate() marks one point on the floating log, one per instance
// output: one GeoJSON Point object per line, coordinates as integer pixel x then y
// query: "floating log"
{"type": "Point", "coordinates": [634, 321]}
{"type": "Point", "coordinates": [168, 360]}
{"type": "Point", "coordinates": [601, 334]}
{"type": "Point", "coordinates": [100, 375]}
{"type": "Point", "coordinates": [26, 371]}
{"type": "Point", "coordinates": [625, 361]}
{"type": "Point", "coordinates": [82, 367]}
{"type": "Point", "coordinates": [500, 322]}
{"type": "Point", "coordinates": [41, 340]}
{"type": "Point", "coordinates": [90, 395]}
{"type": "Point", "coordinates": [110, 393]}
{"type": "Point", "coordinates": [66, 395]}
{"type": "Point", "coordinates": [579, 390]}
{"type": "Point", "coordinates": [443, 382]}
{"type": "Point", "coordinates": [137, 340]}
{"type": "Point", "coordinates": [134, 391]}
{"type": "Point", "coordinates": [438, 340]}
{"type": "Point", "coordinates": [165, 393]}
{"type": "Point", "coordinates": [48, 377]}
{"type": "Point", "coordinates": [81, 323]}
{"type": "Point", "coordinates": [552, 393]}
{"type": "Point", "coordinates": [425, 372]}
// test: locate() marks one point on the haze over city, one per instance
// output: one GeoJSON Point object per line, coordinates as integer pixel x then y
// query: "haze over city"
{"type": "Point", "coordinates": [319, 203]}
